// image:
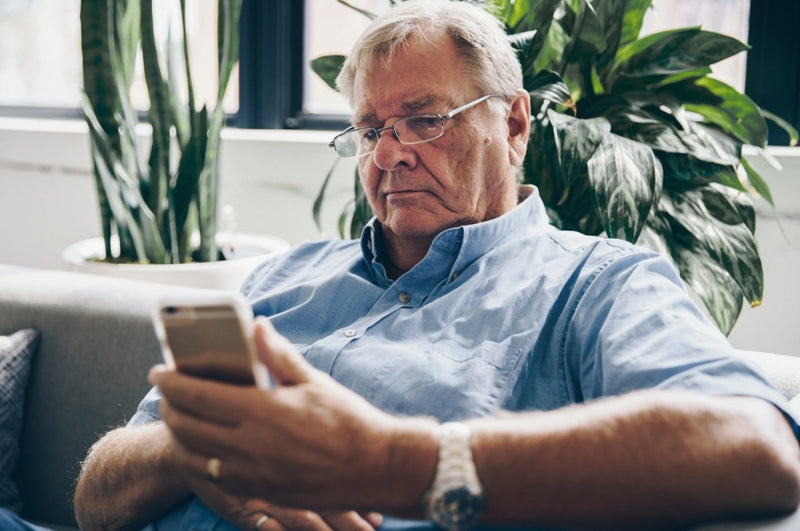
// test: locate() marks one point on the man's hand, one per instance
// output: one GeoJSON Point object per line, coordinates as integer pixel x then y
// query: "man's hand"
{"type": "Point", "coordinates": [309, 442]}
{"type": "Point", "coordinates": [247, 514]}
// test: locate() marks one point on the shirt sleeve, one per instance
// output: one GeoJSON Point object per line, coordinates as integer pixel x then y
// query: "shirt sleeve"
{"type": "Point", "coordinates": [636, 327]}
{"type": "Point", "coordinates": [147, 412]}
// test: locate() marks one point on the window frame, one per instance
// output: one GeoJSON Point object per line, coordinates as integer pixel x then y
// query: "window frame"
{"type": "Point", "coordinates": [270, 43]}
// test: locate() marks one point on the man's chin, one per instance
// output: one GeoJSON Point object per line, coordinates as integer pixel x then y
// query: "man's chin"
{"type": "Point", "coordinates": [415, 225]}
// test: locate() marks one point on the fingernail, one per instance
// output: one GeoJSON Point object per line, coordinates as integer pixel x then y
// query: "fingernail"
{"type": "Point", "coordinates": [156, 373]}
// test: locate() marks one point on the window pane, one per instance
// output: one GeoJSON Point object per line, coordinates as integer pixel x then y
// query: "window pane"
{"type": "Point", "coordinates": [40, 55]}
{"type": "Point", "coordinates": [730, 17]}
{"type": "Point", "coordinates": [40, 62]}
{"type": "Point", "coordinates": [331, 28]}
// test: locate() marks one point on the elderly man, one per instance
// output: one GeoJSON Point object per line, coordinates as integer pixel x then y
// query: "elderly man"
{"type": "Point", "coordinates": [464, 362]}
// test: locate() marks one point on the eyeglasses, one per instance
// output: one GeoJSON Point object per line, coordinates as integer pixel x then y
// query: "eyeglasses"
{"type": "Point", "coordinates": [361, 141]}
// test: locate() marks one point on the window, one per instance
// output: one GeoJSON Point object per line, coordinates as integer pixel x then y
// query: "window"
{"type": "Point", "coordinates": [40, 55]}
{"type": "Point", "coordinates": [323, 36]}
{"type": "Point", "coordinates": [40, 58]}
{"type": "Point", "coordinates": [38, 63]}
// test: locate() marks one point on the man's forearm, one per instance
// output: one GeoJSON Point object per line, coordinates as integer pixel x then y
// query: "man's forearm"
{"type": "Point", "coordinates": [641, 459]}
{"type": "Point", "coordinates": [126, 481]}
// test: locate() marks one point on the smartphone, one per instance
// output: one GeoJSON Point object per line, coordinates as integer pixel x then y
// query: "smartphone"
{"type": "Point", "coordinates": [210, 336]}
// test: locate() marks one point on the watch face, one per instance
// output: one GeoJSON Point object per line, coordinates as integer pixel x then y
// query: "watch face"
{"type": "Point", "coordinates": [457, 508]}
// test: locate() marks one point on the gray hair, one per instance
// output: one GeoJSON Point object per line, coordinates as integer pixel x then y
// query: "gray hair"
{"type": "Point", "coordinates": [479, 37]}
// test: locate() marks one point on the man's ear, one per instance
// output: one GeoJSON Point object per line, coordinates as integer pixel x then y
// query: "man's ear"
{"type": "Point", "coordinates": [519, 127]}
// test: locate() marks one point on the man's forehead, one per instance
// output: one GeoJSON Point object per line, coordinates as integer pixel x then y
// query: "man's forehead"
{"type": "Point", "coordinates": [411, 104]}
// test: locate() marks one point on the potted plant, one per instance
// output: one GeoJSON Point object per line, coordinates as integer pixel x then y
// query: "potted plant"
{"type": "Point", "coordinates": [159, 208]}
{"type": "Point", "coordinates": [632, 138]}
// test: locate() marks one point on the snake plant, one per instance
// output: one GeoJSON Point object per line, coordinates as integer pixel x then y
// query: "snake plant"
{"type": "Point", "coordinates": [153, 204]}
{"type": "Point", "coordinates": [632, 138]}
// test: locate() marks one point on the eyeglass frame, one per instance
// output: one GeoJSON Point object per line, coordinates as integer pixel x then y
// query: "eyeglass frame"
{"type": "Point", "coordinates": [443, 119]}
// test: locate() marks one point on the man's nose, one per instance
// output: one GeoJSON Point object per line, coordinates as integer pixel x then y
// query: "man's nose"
{"type": "Point", "coordinates": [389, 151]}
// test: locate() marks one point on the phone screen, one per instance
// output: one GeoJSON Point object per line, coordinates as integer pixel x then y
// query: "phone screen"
{"type": "Point", "coordinates": [208, 341]}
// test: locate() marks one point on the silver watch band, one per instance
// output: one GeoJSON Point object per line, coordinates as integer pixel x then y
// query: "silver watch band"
{"type": "Point", "coordinates": [455, 498]}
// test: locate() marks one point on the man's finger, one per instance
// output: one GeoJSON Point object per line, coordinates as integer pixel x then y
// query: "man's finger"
{"type": "Point", "coordinates": [350, 521]}
{"type": "Point", "coordinates": [294, 520]}
{"type": "Point", "coordinates": [217, 402]}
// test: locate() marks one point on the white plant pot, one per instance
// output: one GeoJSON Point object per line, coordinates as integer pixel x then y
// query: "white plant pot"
{"type": "Point", "coordinates": [246, 251]}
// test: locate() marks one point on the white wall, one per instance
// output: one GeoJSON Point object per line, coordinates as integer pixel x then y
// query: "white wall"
{"type": "Point", "coordinates": [271, 178]}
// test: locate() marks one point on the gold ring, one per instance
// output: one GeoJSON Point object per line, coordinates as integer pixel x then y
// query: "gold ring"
{"type": "Point", "coordinates": [213, 468]}
{"type": "Point", "coordinates": [261, 520]}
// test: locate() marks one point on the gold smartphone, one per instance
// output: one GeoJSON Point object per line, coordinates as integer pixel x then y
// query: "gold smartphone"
{"type": "Point", "coordinates": [210, 336]}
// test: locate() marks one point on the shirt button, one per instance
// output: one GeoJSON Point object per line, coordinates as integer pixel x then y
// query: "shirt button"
{"type": "Point", "coordinates": [350, 332]}
{"type": "Point", "coordinates": [404, 297]}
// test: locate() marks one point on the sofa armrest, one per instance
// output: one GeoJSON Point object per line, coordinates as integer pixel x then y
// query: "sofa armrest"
{"type": "Point", "coordinates": [89, 373]}
{"type": "Point", "coordinates": [781, 370]}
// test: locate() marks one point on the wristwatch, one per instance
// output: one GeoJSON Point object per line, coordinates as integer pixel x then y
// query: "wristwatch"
{"type": "Point", "coordinates": [455, 499]}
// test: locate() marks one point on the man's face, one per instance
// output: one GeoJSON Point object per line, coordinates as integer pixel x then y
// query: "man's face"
{"type": "Point", "coordinates": [464, 177]}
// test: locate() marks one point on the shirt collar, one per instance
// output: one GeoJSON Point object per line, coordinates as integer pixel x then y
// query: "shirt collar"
{"type": "Point", "coordinates": [466, 243]}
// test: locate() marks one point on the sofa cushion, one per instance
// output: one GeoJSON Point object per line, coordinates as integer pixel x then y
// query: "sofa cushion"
{"type": "Point", "coordinates": [16, 352]}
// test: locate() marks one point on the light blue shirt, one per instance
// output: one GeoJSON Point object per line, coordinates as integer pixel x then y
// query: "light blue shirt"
{"type": "Point", "coordinates": [508, 314]}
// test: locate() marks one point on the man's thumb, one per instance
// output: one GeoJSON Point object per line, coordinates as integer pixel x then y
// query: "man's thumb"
{"type": "Point", "coordinates": [285, 365]}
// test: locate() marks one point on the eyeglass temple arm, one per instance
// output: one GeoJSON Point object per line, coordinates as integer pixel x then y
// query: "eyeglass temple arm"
{"type": "Point", "coordinates": [468, 105]}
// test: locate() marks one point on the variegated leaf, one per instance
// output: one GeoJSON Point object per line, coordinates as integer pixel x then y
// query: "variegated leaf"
{"type": "Point", "coordinates": [626, 179]}
{"type": "Point", "coordinates": [576, 141]}
{"type": "Point", "coordinates": [717, 229]}
{"type": "Point", "coordinates": [715, 287]}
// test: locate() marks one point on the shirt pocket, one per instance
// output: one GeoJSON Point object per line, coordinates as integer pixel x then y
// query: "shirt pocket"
{"type": "Point", "coordinates": [442, 379]}
{"type": "Point", "coordinates": [495, 354]}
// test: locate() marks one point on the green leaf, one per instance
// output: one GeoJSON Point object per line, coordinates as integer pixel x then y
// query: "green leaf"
{"type": "Point", "coordinates": [744, 206]}
{"type": "Point", "coordinates": [783, 124]}
{"type": "Point", "coordinates": [228, 14]}
{"type": "Point", "coordinates": [757, 182]}
{"type": "Point", "coordinates": [327, 67]}
{"type": "Point", "coordinates": [610, 14]}
{"type": "Point", "coordinates": [662, 81]}
{"type": "Point", "coordinates": [686, 169]}
{"type": "Point", "coordinates": [674, 51]}
{"type": "Point", "coordinates": [576, 140]}
{"type": "Point", "coordinates": [158, 91]}
{"type": "Point", "coordinates": [626, 181]}
{"type": "Point", "coordinates": [208, 187]}
{"type": "Point", "coordinates": [127, 36]}
{"type": "Point", "coordinates": [317, 207]}
{"type": "Point", "coordinates": [632, 121]}
{"type": "Point", "coordinates": [551, 54]}
{"type": "Point", "coordinates": [717, 229]}
{"type": "Point", "coordinates": [362, 212]}
{"type": "Point", "coordinates": [370, 15]}
{"type": "Point", "coordinates": [521, 42]}
{"type": "Point", "coordinates": [712, 283]}
{"type": "Point", "coordinates": [343, 215]}
{"type": "Point", "coordinates": [724, 106]}
{"type": "Point", "coordinates": [184, 187]}
{"type": "Point", "coordinates": [541, 167]}
{"type": "Point", "coordinates": [548, 86]}
{"type": "Point", "coordinates": [588, 35]}
{"type": "Point", "coordinates": [633, 18]}
{"type": "Point", "coordinates": [528, 15]}
{"type": "Point", "coordinates": [128, 207]}
{"type": "Point", "coordinates": [510, 12]}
